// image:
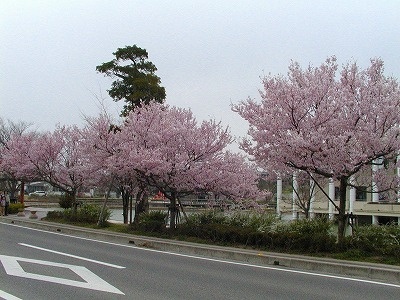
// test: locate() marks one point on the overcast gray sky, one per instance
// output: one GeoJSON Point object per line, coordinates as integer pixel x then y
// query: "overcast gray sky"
{"type": "Point", "coordinates": [208, 53]}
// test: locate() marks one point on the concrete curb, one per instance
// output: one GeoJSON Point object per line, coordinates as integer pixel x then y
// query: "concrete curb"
{"type": "Point", "coordinates": [369, 271]}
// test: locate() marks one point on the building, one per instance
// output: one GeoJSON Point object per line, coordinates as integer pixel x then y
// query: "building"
{"type": "Point", "coordinates": [365, 203]}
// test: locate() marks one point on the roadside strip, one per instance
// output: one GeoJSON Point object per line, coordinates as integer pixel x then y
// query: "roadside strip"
{"type": "Point", "coordinates": [379, 272]}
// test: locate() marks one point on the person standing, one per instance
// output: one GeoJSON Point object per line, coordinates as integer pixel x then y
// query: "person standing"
{"type": "Point", "coordinates": [2, 203]}
{"type": "Point", "coordinates": [7, 204]}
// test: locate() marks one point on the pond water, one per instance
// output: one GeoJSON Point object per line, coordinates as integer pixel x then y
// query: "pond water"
{"type": "Point", "coordinates": [116, 215]}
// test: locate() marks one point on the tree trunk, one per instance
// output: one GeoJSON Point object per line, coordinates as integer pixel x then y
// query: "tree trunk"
{"type": "Point", "coordinates": [138, 206]}
{"type": "Point", "coordinates": [146, 204]}
{"type": "Point", "coordinates": [103, 208]}
{"type": "Point", "coordinates": [105, 203]}
{"type": "Point", "coordinates": [13, 189]}
{"type": "Point", "coordinates": [130, 209]}
{"type": "Point", "coordinates": [342, 211]}
{"type": "Point", "coordinates": [172, 210]}
{"type": "Point", "coordinates": [22, 192]}
{"type": "Point", "coordinates": [307, 211]}
{"type": "Point", "coordinates": [183, 211]}
{"type": "Point", "coordinates": [142, 204]}
{"type": "Point", "coordinates": [125, 204]}
{"type": "Point", "coordinates": [72, 196]}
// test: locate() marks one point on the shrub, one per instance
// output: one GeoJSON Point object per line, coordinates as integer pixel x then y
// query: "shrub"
{"type": "Point", "coordinates": [55, 215]}
{"type": "Point", "coordinates": [308, 235]}
{"type": "Point", "coordinates": [377, 240]}
{"type": "Point", "coordinates": [310, 226]}
{"type": "Point", "coordinates": [261, 230]}
{"type": "Point", "coordinates": [66, 201]}
{"type": "Point", "coordinates": [86, 213]}
{"type": "Point", "coordinates": [215, 232]}
{"type": "Point", "coordinates": [13, 208]}
{"type": "Point", "coordinates": [153, 221]}
{"type": "Point", "coordinates": [197, 224]}
{"type": "Point", "coordinates": [260, 222]}
{"type": "Point", "coordinates": [207, 217]}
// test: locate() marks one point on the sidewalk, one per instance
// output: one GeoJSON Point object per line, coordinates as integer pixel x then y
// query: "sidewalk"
{"type": "Point", "coordinates": [32, 212]}
{"type": "Point", "coordinates": [368, 271]}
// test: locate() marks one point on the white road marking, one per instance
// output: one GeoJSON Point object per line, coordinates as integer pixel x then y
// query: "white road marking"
{"type": "Point", "coordinates": [91, 280]}
{"type": "Point", "coordinates": [74, 256]}
{"type": "Point", "coordinates": [218, 260]}
{"type": "Point", "coordinates": [7, 296]}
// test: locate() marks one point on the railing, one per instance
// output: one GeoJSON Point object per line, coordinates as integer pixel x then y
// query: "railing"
{"type": "Point", "coordinates": [366, 208]}
{"type": "Point", "coordinates": [185, 202]}
{"type": "Point", "coordinates": [117, 202]}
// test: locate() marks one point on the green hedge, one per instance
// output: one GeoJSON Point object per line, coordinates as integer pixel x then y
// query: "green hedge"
{"type": "Point", "coordinates": [262, 231]}
{"type": "Point", "coordinates": [85, 213]}
{"type": "Point", "coordinates": [13, 208]}
{"type": "Point", "coordinates": [153, 221]}
{"type": "Point", "coordinates": [66, 201]}
{"type": "Point", "coordinates": [381, 240]}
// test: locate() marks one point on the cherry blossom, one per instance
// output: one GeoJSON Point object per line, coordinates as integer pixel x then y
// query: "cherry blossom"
{"type": "Point", "coordinates": [324, 122]}
{"type": "Point", "coordinates": [171, 151]}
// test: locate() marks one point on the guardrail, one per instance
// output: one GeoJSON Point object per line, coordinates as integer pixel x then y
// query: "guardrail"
{"type": "Point", "coordinates": [117, 202]}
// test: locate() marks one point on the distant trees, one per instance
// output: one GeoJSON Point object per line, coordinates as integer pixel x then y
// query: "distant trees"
{"type": "Point", "coordinates": [157, 146]}
{"type": "Point", "coordinates": [58, 158]}
{"type": "Point", "coordinates": [333, 127]}
{"type": "Point", "coordinates": [8, 129]}
{"type": "Point", "coordinates": [170, 151]}
{"type": "Point", "coordinates": [135, 80]}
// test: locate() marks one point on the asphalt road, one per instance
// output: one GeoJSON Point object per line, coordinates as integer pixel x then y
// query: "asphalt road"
{"type": "Point", "coordinates": [44, 265]}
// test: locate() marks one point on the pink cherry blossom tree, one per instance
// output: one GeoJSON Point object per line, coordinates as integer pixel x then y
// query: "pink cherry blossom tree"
{"type": "Point", "coordinates": [325, 123]}
{"type": "Point", "coordinates": [169, 150]}
{"type": "Point", "coordinates": [100, 141]}
{"type": "Point", "coordinates": [58, 158]}
{"type": "Point", "coordinates": [101, 133]}
{"type": "Point", "coordinates": [15, 160]}
{"type": "Point", "coordinates": [232, 176]}
{"type": "Point", "coordinates": [9, 129]}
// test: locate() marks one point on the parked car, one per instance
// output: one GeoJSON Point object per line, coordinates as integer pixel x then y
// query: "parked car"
{"type": "Point", "coordinates": [38, 193]}
{"type": "Point", "coordinates": [56, 193]}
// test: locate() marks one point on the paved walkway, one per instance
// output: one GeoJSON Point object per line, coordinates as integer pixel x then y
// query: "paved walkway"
{"type": "Point", "coordinates": [41, 212]}
{"type": "Point", "coordinates": [35, 212]}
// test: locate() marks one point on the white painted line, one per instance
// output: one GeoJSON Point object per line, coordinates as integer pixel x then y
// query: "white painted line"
{"type": "Point", "coordinates": [292, 271]}
{"type": "Point", "coordinates": [219, 260]}
{"type": "Point", "coordinates": [74, 256]}
{"type": "Point", "coordinates": [91, 280]}
{"type": "Point", "coordinates": [7, 296]}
